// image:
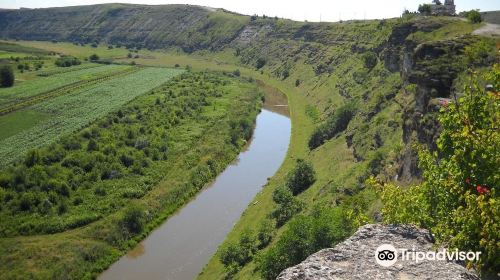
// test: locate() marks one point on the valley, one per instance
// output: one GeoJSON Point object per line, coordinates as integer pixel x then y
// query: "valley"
{"type": "Point", "coordinates": [100, 156]}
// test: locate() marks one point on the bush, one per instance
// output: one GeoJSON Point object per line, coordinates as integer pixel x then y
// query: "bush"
{"type": "Point", "coordinates": [474, 16]}
{"type": "Point", "coordinates": [94, 57]}
{"type": "Point", "coordinates": [301, 178]}
{"type": "Point", "coordinates": [370, 60]}
{"type": "Point", "coordinates": [265, 233]}
{"type": "Point", "coordinates": [424, 9]}
{"type": "Point", "coordinates": [336, 124]}
{"type": "Point", "coordinates": [458, 199]}
{"type": "Point", "coordinates": [237, 72]}
{"type": "Point", "coordinates": [6, 76]}
{"type": "Point", "coordinates": [134, 219]}
{"type": "Point", "coordinates": [236, 255]}
{"type": "Point", "coordinates": [287, 205]}
{"type": "Point", "coordinates": [67, 61]}
{"type": "Point", "coordinates": [260, 63]}
{"type": "Point", "coordinates": [304, 236]}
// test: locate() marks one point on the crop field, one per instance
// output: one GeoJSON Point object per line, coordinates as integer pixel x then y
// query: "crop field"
{"type": "Point", "coordinates": [41, 85]}
{"type": "Point", "coordinates": [59, 70]}
{"type": "Point", "coordinates": [67, 113]}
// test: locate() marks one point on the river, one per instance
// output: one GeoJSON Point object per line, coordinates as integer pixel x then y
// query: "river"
{"type": "Point", "coordinates": [182, 245]}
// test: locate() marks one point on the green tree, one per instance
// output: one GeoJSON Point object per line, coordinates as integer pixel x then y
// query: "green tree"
{"type": "Point", "coordinates": [458, 199]}
{"type": "Point", "coordinates": [304, 236]}
{"type": "Point", "coordinates": [260, 62]}
{"type": "Point", "coordinates": [134, 219]}
{"type": "Point", "coordinates": [370, 60]}
{"type": "Point", "coordinates": [424, 9]}
{"type": "Point", "coordinates": [335, 124]}
{"type": "Point", "coordinates": [6, 76]}
{"type": "Point", "coordinates": [287, 205]}
{"type": "Point", "coordinates": [94, 57]}
{"type": "Point", "coordinates": [301, 178]}
{"type": "Point", "coordinates": [473, 16]}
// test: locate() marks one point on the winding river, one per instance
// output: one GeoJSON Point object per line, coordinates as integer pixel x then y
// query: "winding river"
{"type": "Point", "coordinates": [181, 246]}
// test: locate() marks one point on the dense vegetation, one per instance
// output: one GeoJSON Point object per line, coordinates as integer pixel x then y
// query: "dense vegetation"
{"type": "Point", "coordinates": [6, 76]}
{"type": "Point", "coordinates": [104, 169]}
{"type": "Point", "coordinates": [334, 125]}
{"type": "Point", "coordinates": [458, 198]}
{"type": "Point", "coordinates": [67, 61]}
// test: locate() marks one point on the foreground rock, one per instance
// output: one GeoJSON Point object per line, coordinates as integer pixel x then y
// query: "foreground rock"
{"type": "Point", "coordinates": [355, 258]}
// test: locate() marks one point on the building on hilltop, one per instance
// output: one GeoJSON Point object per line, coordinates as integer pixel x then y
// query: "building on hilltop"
{"type": "Point", "coordinates": [440, 9]}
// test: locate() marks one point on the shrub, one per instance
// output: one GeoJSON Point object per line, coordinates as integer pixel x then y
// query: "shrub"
{"type": "Point", "coordinates": [424, 9]}
{"type": "Point", "coordinates": [474, 16]}
{"type": "Point", "coordinates": [236, 255]}
{"type": "Point", "coordinates": [265, 233]}
{"type": "Point", "coordinates": [287, 205]}
{"type": "Point", "coordinates": [301, 178]}
{"type": "Point", "coordinates": [6, 76]}
{"type": "Point", "coordinates": [304, 236]}
{"type": "Point", "coordinates": [134, 219]}
{"type": "Point", "coordinates": [67, 61]}
{"type": "Point", "coordinates": [237, 72]}
{"type": "Point", "coordinates": [370, 59]}
{"type": "Point", "coordinates": [260, 63]}
{"type": "Point", "coordinates": [94, 57]}
{"type": "Point", "coordinates": [458, 199]}
{"type": "Point", "coordinates": [336, 124]}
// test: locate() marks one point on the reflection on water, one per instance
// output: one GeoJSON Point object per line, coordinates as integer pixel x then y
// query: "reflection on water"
{"type": "Point", "coordinates": [180, 247]}
{"type": "Point", "coordinates": [136, 252]}
{"type": "Point", "coordinates": [275, 100]}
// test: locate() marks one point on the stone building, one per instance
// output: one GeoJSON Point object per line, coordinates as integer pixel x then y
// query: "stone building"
{"type": "Point", "coordinates": [440, 9]}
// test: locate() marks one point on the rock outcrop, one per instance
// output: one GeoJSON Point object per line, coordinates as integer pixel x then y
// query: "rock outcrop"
{"type": "Point", "coordinates": [355, 258]}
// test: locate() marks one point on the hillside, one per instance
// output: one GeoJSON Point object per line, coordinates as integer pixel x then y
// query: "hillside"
{"type": "Point", "coordinates": [361, 95]}
{"type": "Point", "coordinates": [188, 27]}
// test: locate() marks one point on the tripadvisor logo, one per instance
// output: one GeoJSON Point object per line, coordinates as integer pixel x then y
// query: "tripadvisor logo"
{"type": "Point", "coordinates": [387, 255]}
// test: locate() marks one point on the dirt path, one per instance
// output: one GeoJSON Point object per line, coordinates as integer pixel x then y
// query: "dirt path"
{"type": "Point", "coordinates": [489, 29]}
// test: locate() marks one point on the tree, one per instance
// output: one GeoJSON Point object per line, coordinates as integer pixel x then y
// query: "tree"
{"type": "Point", "coordinates": [260, 63]}
{"type": "Point", "coordinates": [458, 198]}
{"type": "Point", "coordinates": [134, 219]}
{"type": "Point", "coordinates": [6, 76]}
{"type": "Point", "coordinates": [287, 205]}
{"type": "Point", "coordinates": [370, 60]}
{"type": "Point", "coordinates": [424, 9]}
{"type": "Point", "coordinates": [474, 16]}
{"type": "Point", "coordinates": [304, 236]}
{"type": "Point", "coordinates": [94, 57]}
{"type": "Point", "coordinates": [301, 178]}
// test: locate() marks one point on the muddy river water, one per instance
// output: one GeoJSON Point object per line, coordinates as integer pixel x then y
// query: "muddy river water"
{"type": "Point", "coordinates": [183, 244]}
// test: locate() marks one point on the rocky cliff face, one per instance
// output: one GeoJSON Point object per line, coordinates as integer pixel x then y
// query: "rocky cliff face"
{"type": "Point", "coordinates": [355, 258]}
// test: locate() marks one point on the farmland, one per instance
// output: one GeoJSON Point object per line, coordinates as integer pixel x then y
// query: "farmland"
{"type": "Point", "coordinates": [71, 112]}
{"type": "Point", "coordinates": [34, 87]}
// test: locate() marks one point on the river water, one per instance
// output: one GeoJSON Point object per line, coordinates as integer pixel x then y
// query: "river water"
{"type": "Point", "coordinates": [180, 247]}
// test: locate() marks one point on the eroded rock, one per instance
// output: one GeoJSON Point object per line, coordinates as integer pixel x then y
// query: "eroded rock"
{"type": "Point", "coordinates": [355, 258]}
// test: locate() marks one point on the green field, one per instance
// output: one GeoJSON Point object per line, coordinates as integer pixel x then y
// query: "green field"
{"type": "Point", "coordinates": [40, 85]}
{"type": "Point", "coordinates": [68, 113]}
